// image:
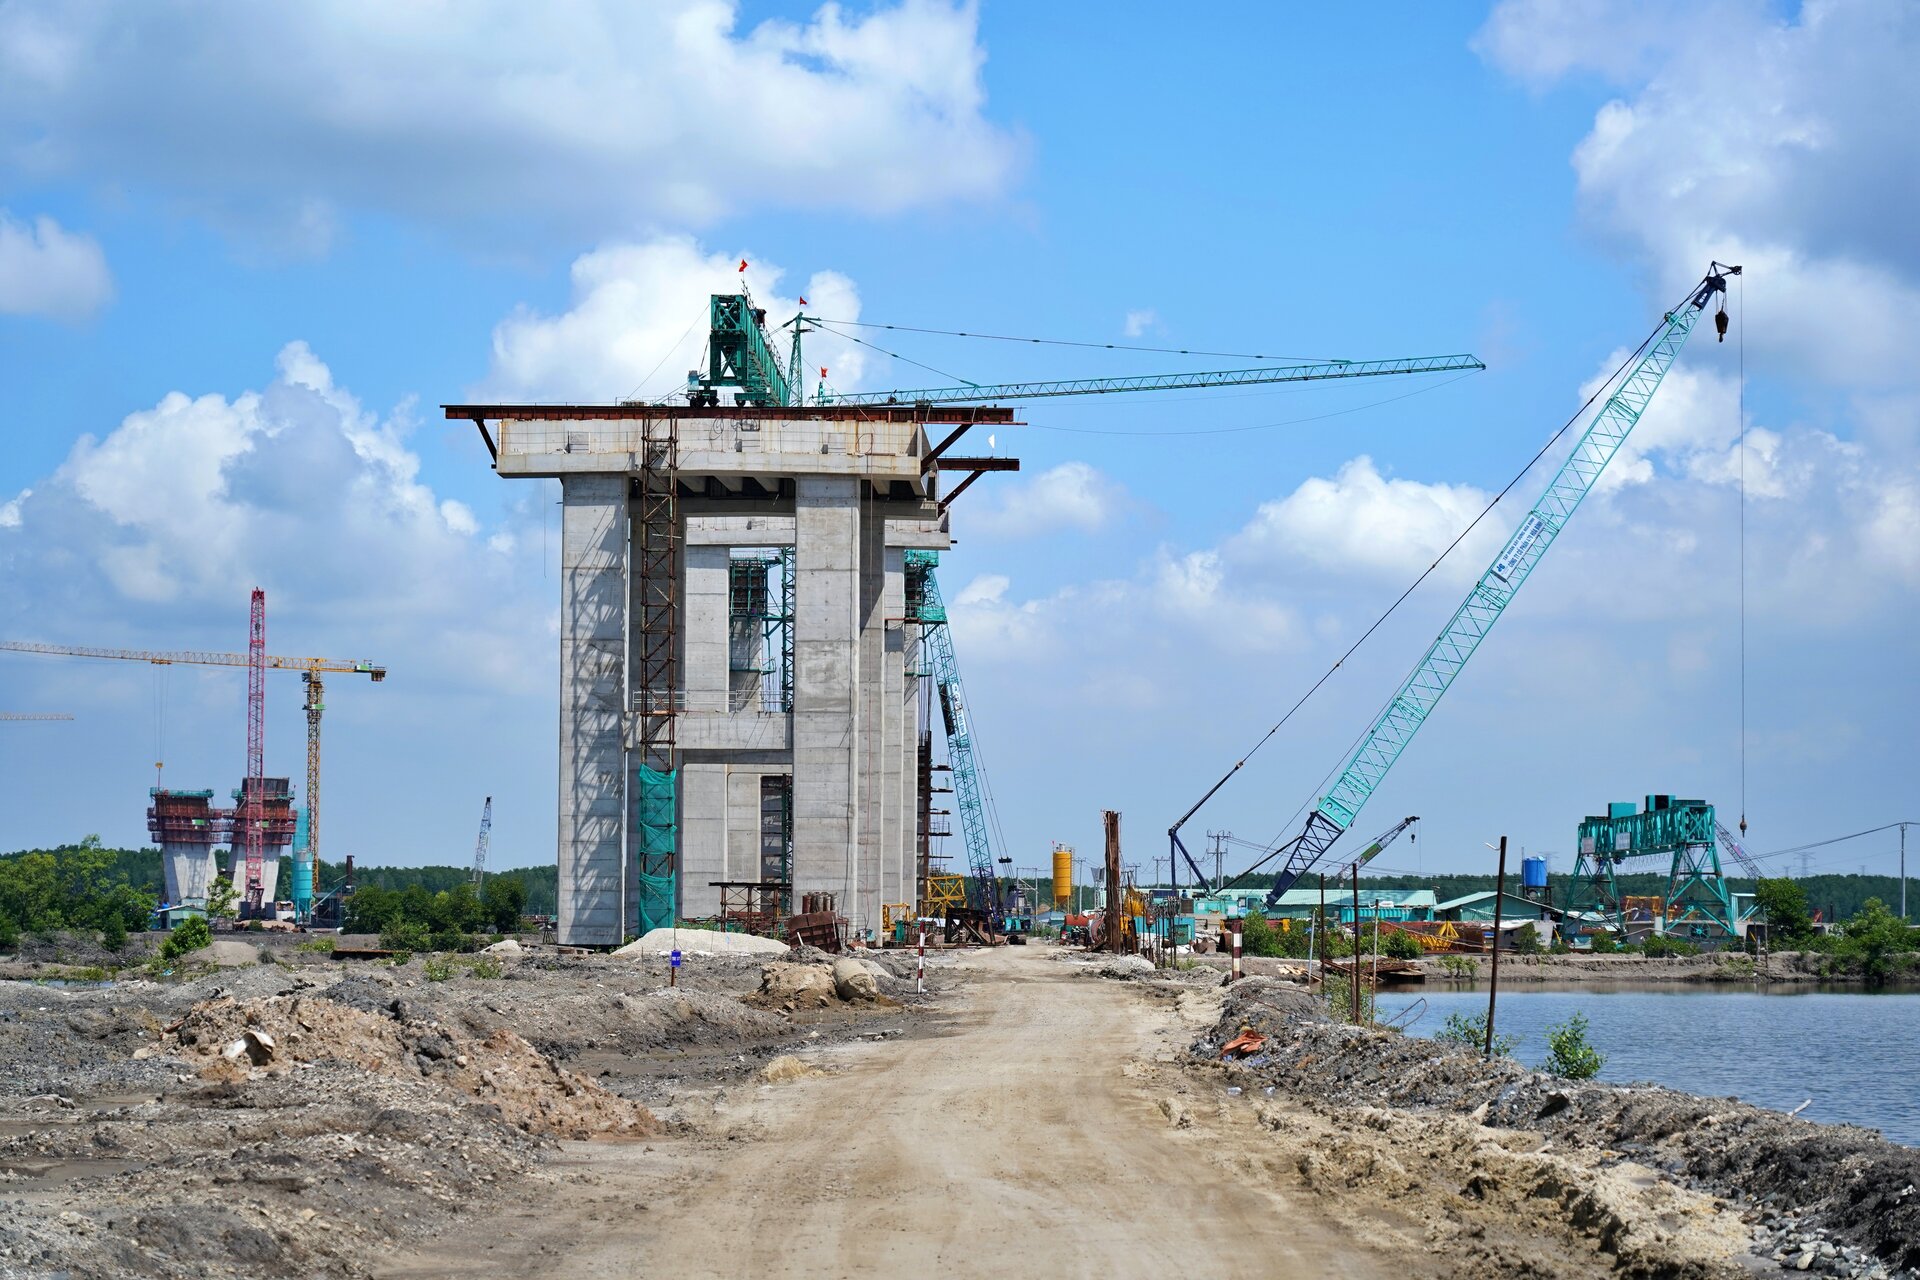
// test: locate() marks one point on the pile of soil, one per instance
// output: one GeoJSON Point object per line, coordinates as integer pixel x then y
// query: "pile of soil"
{"type": "Point", "coordinates": [235, 1038]}
{"type": "Point", "coordinates": [1806, 1181]}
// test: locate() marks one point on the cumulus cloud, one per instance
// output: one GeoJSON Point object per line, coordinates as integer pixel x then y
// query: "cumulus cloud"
{"type": "Point", "coordinates": [180, 509]}
{"type": "Point", "coordinates": [1073, 495]}
{"type": "Point", "coordinates": [638, 322]}
{"type": "Point", "coordinates": [1138, 322]}
{"type": "Point", "coordinates": [594, 118]}
{"type": "Point", "coordinates": [1360, 520]}
{"type": "Point", "coordinates": [1786, 146]}
{"type": "Point", "coordinates": [46, 270]}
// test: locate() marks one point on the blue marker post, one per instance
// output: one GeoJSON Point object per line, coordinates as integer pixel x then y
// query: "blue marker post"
{"type": "Point", "coordinates": [673, 967]}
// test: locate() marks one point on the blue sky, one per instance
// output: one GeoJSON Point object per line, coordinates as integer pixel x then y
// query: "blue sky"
{"type": "Point", "coordinates": [246, 253]}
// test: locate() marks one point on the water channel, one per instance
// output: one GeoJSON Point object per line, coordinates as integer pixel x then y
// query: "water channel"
{"type": "Point", "coordinates": [1850, 1051]}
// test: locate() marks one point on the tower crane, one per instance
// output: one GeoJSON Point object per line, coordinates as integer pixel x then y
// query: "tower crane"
{"type": "Point", "coordinates": [480, 845]}
{"type": "Point", "coordinates": [1417, 695]}
{"type": "Point", "coordinates": [312, 672]}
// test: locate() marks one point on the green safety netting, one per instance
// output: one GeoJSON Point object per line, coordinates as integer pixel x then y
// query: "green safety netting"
{"type": "Point", "coordinates": [657, 839]}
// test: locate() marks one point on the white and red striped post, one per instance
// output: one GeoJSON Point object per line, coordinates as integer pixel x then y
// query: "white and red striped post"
{"type": "Point", "coordinates": [920, 964]}
{"type": "Point", "coordinates": [1233, 929]}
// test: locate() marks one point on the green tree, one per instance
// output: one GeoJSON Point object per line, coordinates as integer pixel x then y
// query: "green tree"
{"type": "Point", "coordinates": [189, 936]}
{"type": "Point", "coordinates": [1568, 1052]}
{"type": "Point", "coordinates": [1470, 1032]}
{"type": "Point", "coordinates": [222, 898]}
{"type": "Point", "coordinates": [1873, 938]}
{"type": "Point", "coordinates": [1784, 904]}
{"type": "Point", "coordinates": [1604, 943]}
{"type": "Point", "coordinates": [504, 898]}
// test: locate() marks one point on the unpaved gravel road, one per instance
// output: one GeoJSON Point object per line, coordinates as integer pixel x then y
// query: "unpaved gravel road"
{"type": "Point", "coordinates": [1024, 1138]}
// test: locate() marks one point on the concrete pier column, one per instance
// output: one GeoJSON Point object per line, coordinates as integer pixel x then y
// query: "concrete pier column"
{"type": "Point", "coordinates": [593, 597]}
{"type": "Point", "coordinates": [826, 706]}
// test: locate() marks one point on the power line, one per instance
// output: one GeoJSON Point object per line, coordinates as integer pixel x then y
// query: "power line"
{"type": "Point", "coordinates": [1067, 342]}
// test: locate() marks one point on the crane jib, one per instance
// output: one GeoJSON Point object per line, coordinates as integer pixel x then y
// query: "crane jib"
{"type": "Point", "coordinates": [1489, 597]}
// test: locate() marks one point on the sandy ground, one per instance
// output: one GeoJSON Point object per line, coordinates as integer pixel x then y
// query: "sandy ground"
{"type": "Point", "coordinates": [1027, 1136]}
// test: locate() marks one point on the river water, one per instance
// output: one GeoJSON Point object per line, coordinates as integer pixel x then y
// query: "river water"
{"type": "Point", "coordinates": [1851, 1052]}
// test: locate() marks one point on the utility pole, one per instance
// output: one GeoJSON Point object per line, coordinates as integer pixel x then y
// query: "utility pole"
{"type": "Point", "coordinates": [1493, 980]}
{"type": "Point", "coordinates": [1111, 818]}
{"type": "Point", "coordinates": [1903, 871]}
{"type": "Point", "coordinates": [1219, 852]}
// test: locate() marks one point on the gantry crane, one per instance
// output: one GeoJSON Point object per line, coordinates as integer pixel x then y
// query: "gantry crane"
{"type": "Point", "coordinates": [312, 671]}
{"type": "Point", "coordinates": [1414, 701]}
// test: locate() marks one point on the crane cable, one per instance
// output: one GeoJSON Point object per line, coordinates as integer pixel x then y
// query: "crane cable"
{"type": "Point", "coordinates": [1520, 475]}
{"type": "Point", "coordinates": [1740, 442]}
{"type": "Point", "coordinates": [1064, 342]}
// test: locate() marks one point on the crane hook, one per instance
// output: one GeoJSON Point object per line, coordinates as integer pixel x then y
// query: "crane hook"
{"type": "Point", "coordinates": [1720, 321]}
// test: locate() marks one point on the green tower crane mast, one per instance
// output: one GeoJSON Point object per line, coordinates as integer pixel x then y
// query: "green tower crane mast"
{"type": "Point", "coordinates": [926, 607]}
{"type": "Point", "coordinates": [1416, 697]}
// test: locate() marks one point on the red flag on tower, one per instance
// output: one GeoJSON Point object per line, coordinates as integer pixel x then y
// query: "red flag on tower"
{"type": "Point", "coordinates": [823, 371]}
{"type": "Point", "coordinates": [743, 264]}
{"type": "Point", "coordinates": [803, 302]}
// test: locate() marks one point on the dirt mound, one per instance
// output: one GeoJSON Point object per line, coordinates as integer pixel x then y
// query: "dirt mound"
{"type": "Point", "coordinates": [1806, 1180]}
{"type": "Point", "coordinates": [795, 986]}
{"type": "Point", "coordinates": [787, 1067]}
{"type": "Point", "coordinates": [702, 942]}
{"type": "Point", "coordinates": [237, 1038]}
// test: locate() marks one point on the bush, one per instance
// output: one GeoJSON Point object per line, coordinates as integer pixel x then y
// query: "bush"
{"type": "Point", "coordinates": [1471, 1033]}
{"type": "Point", "coordinates": [113, 933]}
{"type": "Point", "coordinates": [1874, 938]}
{"type": "Point", "coordinates": [1339, 991]}
{"type": "Point", "coordinates": [405, 935]}
{"type": "Point", "coordinates": [1400, 945]}
{"type": "Point", "coordinates": [1569, 1055]}
{"type": "Point", "coordinates": [1659, 946]}
{"type": "Point", "coordinates": [1604, 943]}
{"type": "Point", "coordinates": [191, 935]}
{"type": "Point", "coordinates": [439, 968]}
{"type": "Point", "coordinates": [1526, 942]}
{"type": "Point", "coordinates": [486, 967]}
{"type": "Point", "coordinates": [1459, 967]}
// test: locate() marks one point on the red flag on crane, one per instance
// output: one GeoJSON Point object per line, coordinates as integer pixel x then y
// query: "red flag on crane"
{"type": "Point", "coordinates": [743, 264]}
{"type": "Point", "coordinates": [803, 302]}
{"type": "Point", "coordinates": [823, 371]}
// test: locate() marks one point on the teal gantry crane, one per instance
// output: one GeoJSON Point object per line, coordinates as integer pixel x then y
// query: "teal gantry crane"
{"type": "Point", "coordinates": [1418, 694]}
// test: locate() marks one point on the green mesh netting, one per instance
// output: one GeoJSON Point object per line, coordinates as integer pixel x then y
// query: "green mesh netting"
{"type": "Point", "coordinates": [657, 841]}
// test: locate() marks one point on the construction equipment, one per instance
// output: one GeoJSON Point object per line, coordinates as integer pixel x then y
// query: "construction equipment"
{"type": "Point", "coordinates": [34, 715]}
{"type": "Point", "coordinates": [311, 670]}
{"type": "Point", "coordinates": [1687, 831]}
{"type": "Point", "coordinates": [1366, 855]}
{"type": "Point", "coordinates": [480, 845]}
{"type": "Point", "coordinates": [925, 606]}
{"type": "Point", "coordinates": [740, 356]}
{"type": "Point", "coordinates": [1414, 701]}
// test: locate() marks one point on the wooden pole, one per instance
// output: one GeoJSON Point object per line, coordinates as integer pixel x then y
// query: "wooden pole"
{"type": "Point", "coordinates": [1356, 942]}
{"type": "Point", "coordinates": [1493, 980]}
{"type": "Point", "coordinates": [1112, 820]}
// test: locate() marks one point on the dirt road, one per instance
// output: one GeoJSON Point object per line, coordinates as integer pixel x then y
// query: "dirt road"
{"type": "Point", "coordinates": [1023, 1139]}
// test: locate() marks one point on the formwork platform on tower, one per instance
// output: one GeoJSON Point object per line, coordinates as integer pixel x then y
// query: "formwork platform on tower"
{"type": "Point", "coordinates": [268, 804]}
{"type": "Point", "coordinates": [187, 828]}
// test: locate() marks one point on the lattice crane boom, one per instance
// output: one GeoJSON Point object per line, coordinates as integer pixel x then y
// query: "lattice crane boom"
{"type": "Point", "coordinates": [480, 845]}
{"type": "Point", "coordinates": [1325, 371]}
{"type": "Point", "coordinates": [1414, 701]}
{"type": "Point", "coordinates": [34, 715]}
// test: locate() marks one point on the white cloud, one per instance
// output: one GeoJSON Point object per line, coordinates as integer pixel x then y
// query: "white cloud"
{"type": "Point", "coordinates": [1138, 322]}
{"type": "Point", "coordinates": [295, 487]}
{"type": "Point", "coordinates": [1785, 146]}
{"type": "Point", "coordinates": [638, 323]}
{"type": "Point", "coordinates": [48, 271]}
{"type": "Point", "coordinates": [10, 510]}
{"type": "Point", "coordinates": [594, 118]}
{"type": "Point", "coordinates": [1361, 520]}
{"type": "Point", "coordinates": [1073, 495]}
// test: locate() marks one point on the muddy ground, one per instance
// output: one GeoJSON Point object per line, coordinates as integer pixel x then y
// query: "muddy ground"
{"type": "Point", "coordinates": [300, 1117]}
{"type": "Point", "coordinates": [578, 1115]}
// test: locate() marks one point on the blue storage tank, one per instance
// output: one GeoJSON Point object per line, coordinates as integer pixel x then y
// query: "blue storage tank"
{"type": "Point", "coordinates": [1533, 873]}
